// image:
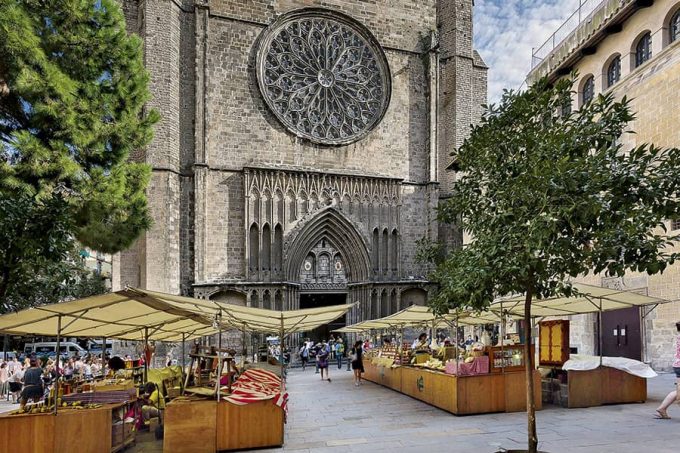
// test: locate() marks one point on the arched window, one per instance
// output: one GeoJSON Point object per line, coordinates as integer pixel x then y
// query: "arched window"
{"type": "Point", "coordinates": [394, 250]}
{"type": "Point", "coordinates": [375, 251]}
{"type": "Point", "coordinates": [278, 248]}
{"type": "Point", "coordinates": [255, 299]}
{"type": "Point", "coordinates": [643, 49]}
{"type": "Point", "coordinates": [384, 303]}
{"type": "Point", "coordinates": [614, 71]}
{"type": "Point", "coordinates": [374, 305]}
{"type": "Point", "coordinates": [278, 301]}
{"type": "Point", "coordinates": [267, 300]}
{"type": "Point", "coordinates": [266, 247]}
{"type": "Point", "coordinates": [254, 248]}
{"type": "Point", "coordinates": [384, 250]}
{"type": "Point", "coordinates": [588, 90]}
{"type": "Point", "coordinates": [674, 26]}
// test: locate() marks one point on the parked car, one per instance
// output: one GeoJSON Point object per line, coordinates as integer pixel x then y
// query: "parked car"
{"type": "Point", "coordinates": [7, 356]}
{"type": "Point", "coordinates": [49, 348]}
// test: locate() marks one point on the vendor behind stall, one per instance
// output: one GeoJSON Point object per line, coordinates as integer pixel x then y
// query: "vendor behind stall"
{"type": "Point", "coordinates": [33, 383]}
{"type": "Point", "coordinates": [154, 402]}
{"type": "Point", "coordinates": [421, 342]}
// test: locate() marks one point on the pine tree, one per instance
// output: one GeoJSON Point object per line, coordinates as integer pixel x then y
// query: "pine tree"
{"type": "Point", "coordinates": [72, 94]}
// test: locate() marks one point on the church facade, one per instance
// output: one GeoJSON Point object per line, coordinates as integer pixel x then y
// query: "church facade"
{"type": "Point", "coordinates": [303, 147]}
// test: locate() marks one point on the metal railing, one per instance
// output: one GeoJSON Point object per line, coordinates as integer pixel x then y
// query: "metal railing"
{"type": "Point", "coordinates": [583, 13]}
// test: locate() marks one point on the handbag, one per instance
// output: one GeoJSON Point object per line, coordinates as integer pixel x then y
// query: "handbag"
{"type": "Point", "coordinates": [354, 356]}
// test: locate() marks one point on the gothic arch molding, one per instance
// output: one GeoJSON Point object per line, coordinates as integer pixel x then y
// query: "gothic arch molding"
{"type": "Point", "coordinates": [331, 224]}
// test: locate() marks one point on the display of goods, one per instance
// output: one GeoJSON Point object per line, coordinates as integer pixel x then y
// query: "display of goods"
{"type": "Point", "coordinates": [114, 396]}
{"type": "Point", "coordinates": [255, 385]}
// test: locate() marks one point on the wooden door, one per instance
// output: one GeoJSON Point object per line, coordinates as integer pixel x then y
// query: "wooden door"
{"type": "Point", "coordinates": [621, 335]}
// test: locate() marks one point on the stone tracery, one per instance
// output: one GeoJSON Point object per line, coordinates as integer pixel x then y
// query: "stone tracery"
{"type": "Point", "coordinates": [324, 76]}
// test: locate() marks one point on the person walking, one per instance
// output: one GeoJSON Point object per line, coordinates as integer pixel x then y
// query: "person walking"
{"type": "Point", "coordinates": [322, 361]}
{"type": "Point", "coordinates": [304, 355]}
{"type": "Point", "coordinates": [339, 352]}
{"type": "Point", "coordinates": [33, 383]}
{"type": "Point", "coordinates": [674, 396]}
{"type": "Point", "coordinates": [356, 357]}
{"type": "Point", "coordinates": [4, 381]}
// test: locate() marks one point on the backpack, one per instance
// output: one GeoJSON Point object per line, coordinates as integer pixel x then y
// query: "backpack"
{"type": "Point", "coordinates": [339, 348]}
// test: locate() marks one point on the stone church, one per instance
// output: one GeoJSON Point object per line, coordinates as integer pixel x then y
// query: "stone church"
{"type": "Point", "coordinates": [303, 147]}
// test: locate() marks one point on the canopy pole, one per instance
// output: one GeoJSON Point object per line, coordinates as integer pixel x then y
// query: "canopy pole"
{"type": "Point", "coordinates": [104, 357]}
{"type": "Point", "coordinates": [58, 357]}
{"type": "Point", "coordinates": [457, 343]}
{"type": "Point", "coordinates": [281, 356]}
{"type": "Point", "coordinates": [502, 335]}
{"type": "Point", "coordinates": [599, 331]}
{"type": "Point", "coordinates": [219, 358]}
{"type": "Point", "coordinates": [184, 339]}
{"type": "Point", "coordinates": [146, 355]}
{"type": "Point", "coordinates": [245, 345]}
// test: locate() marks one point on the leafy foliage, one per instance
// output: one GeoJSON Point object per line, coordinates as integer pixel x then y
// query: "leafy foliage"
{"type": "Point", "coordinates": [40, 261]}
{"type": "Point", "coordinates": [71, 110]}
{"type": "Point", "coordinates": [548, 197]}
{"type": "Point", "coordinates": [72, 95]}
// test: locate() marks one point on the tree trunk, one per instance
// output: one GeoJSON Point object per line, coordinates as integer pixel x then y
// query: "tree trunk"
{"type": "Point", "coordinates": [529, 367]}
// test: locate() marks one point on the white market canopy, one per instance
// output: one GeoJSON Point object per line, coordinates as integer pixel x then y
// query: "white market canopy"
{"type": "Point", "coordinates": [589, 299]}
{"type": "Point", "coordinates": [129, 313]}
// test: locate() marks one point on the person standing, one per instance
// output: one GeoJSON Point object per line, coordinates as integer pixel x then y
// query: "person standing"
{"type": "Point", "coordinates": [4, 378]}
{"type": "Point", "coordinates": [356, 357]}
{"type": "Point", "coordinates": [322, 361]}
{"type": "Point", "coordinates": [33, 383]}
{"type": "Point", "coordinates": [339, 351]}
{"type": "Point", "coordinates": [674, 396]}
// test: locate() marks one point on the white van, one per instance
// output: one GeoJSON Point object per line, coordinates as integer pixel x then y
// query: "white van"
{"type": "Point", "coordinates": [48, 348]}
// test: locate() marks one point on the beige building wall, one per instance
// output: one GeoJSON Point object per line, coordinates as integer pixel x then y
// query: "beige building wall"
{"type": "Point", "coordinates": [654, 88]}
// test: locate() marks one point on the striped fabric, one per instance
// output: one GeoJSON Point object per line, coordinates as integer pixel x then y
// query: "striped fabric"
{"type": "Point", "coordinates": [255, 385]}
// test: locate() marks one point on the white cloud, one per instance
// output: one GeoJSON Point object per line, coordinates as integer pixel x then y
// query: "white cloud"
{"type": "Point", "coordinates": [505, 32]}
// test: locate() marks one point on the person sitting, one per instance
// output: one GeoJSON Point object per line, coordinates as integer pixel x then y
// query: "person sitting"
{"type": "Point", "coordinates": [154, 402]}
{"type": "Point", "coordinates": [33, 383]}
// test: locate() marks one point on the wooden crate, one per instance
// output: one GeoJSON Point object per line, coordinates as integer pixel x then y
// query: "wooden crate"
{"type": "Point", "coordinates": [190, 426]}
{"type": "Point", "coordinates": [253, 425]}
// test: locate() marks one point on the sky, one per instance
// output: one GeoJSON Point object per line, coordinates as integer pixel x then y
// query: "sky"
{"type": "Point", "coordinates": [506, 30]}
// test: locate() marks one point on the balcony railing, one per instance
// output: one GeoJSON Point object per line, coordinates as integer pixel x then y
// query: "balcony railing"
{"type": "Point", "coordinates": [582, 14]}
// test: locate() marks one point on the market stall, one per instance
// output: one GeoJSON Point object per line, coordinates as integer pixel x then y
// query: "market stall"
{"type": "Point", "coordinates": [584, 381]}
{"type": "Point", "coordinates": [481, 381]}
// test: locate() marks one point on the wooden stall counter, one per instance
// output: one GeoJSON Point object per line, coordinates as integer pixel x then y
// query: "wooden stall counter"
{"type": "Point", "coordinates": [204, 426]}
{"type": "Point", "coordinates": [460, 395]}
{"type": "Point", "coordinates": [604, 385]}
{"type": "Point", "coordinates": [88, 429]}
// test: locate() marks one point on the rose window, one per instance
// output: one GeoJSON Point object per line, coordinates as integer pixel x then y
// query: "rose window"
{"type": "Point", "coordinates": [324, 76]}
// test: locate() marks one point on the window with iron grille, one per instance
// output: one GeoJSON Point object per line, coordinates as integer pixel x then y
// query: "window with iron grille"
{"type": "Point", "coordinates": [588, 90]}
{"type": "Point", "coordinates": [675, 224]}
{"type": "Point", "coordinates": [614, 71]}
{"type": "Point", "coordinates": [643, 49]}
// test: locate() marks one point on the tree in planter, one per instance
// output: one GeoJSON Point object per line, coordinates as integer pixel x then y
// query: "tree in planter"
{"type": "Point", "coordinates": [72, 91]}
{"type": "Point", "coordinates": [548, 196]}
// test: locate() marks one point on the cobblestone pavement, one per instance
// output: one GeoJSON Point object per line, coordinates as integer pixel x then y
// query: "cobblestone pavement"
{"type": "Point", "coordinates": [339, 417]}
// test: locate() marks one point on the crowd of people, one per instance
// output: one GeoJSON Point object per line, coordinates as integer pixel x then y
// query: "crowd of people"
{"type": "Point", "coordinates": [30, 379]}
{"type": "Point", "coordinates": [333, 351]}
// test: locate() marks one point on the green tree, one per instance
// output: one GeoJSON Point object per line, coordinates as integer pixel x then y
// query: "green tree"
{"type": "Point", "coordinates": [548, 196]}
{"type": "Point", "coordinates": [72, 91]}
{"type": "Point", "coordinates": [40, 259]}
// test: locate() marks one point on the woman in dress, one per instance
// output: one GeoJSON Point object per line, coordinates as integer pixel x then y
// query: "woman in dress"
{"type": "Point", "coordinates": [357, 362]}
{"type": "Point", "coordinates": [674, 396]}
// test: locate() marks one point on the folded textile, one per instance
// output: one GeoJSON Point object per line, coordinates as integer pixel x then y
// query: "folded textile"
{"type": "Point", "coordinates": [580, 362]}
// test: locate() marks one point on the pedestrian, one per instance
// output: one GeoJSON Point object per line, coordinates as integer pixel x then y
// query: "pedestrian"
{"type": "Point", "coordinates": [322, 361]}
{"type": "Point", "coordinates": [317, 350]}
{"type": "Point", "coordinates": [33, 383]}
{"type": "Point", "coordinates": [356, 357]}
{"type": "Point", "coordinates": [339, 352]}
{"type": "Point", "coordinates": [674, 396]}
{"type": "Point", "coordinates": [4, 378]}
{"type": "Point", "coordinates": [304, 355]}
{"type": "Point", "coordinates": [15, 384]}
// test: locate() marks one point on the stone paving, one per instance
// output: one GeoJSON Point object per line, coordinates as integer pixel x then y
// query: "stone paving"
{"type": "Point", "coordinates": [339, 417]}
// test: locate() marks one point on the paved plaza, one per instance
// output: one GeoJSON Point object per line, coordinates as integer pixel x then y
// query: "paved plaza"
{"type": "Point", "coordinates": [339, 417]}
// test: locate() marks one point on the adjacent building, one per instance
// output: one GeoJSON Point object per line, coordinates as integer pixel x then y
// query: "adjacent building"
{"type": "Point", "coordinates": [628, 48]}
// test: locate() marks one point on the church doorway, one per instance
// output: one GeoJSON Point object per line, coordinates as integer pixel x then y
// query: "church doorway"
{"type": "Point", "coordinates": [316, 300]}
